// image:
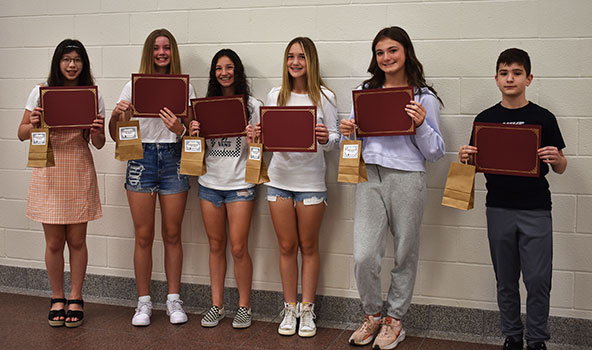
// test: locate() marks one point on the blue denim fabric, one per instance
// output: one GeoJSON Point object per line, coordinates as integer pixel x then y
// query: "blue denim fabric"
{"type": "Point", "coordinates": [308, 198]}
{"type": "Point", "coordinates": [158, 172]}
{"type": "Point", "coordinates": [221, 196]}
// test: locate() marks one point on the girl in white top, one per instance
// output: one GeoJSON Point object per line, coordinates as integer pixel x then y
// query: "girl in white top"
{"type": "Point", "coordinates": [224, 194]}
{"type": "Point", "coordinates": [157, 172]}
{"type": "Point", "coordinates": [296, 192]}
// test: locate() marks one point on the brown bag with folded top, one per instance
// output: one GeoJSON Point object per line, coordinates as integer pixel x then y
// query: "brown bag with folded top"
{"type": "Point", "coordinates": [128, 145]}
{"type": "Point", "coordinates": [40, 151]}
{"type": "Point", "coordinates": [256, 171]}
{"type": "Point", "coordinates": [193, 157]}
{"type": "Point", "coordinates": [459, 191]}
{"type": "Point", "coordinates": [352, 168]}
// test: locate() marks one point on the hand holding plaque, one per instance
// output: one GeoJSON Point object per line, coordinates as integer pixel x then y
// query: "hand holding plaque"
{"type": "Point", "coordinates": [220, 116]}
{"type": "Point", "coordinates": [289, 129]}
{"type": "Point", "coordinates": [72, 107]}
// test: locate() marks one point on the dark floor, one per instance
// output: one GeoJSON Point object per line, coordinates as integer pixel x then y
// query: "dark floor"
{"type": "Point", "coordinates": [23, 325]}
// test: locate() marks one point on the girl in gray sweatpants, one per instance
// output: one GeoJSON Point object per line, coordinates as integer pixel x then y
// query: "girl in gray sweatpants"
{"type": "Point", "coordinates": [392, 200]}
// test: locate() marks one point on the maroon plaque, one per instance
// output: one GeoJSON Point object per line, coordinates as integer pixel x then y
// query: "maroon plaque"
{"type": "Point", "coordinates": [221, 116]}
{"type": "Point", "coordinates": [381, 112]}
{"type": "Point", "coordinates": [73, 107]}
{"type": "Point", "coordinates": [153, 92]}
{"type": "Point", "coordinates": [507, 149]}
{"type": "Point", "coordinates": [289, 129]}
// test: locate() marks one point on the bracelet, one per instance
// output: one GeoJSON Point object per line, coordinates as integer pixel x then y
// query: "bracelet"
{"type": "Point", "coordinates": [179, 137]}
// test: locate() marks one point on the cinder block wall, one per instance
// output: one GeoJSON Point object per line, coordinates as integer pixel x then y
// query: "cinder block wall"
{"type": "Point", "coordinates": [458, 43]}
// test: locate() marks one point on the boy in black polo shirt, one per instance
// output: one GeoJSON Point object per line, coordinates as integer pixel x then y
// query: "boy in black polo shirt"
{"type": "Point", "coordinates": [519, 209]}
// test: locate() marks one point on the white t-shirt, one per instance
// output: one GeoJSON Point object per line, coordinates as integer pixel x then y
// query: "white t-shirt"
{"type": "Point", "coordinates": [34, 101]}
{"type": "Point", "coordinates": [304, 171]}
{"type": "Point", "coordinates": [152, 130]}
{"type": "Point", "coordinates": [226, 158]}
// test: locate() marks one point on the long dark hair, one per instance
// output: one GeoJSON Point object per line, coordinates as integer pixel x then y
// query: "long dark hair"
{"type": "Point", "coordinates": [241, 85]}
{"type": "Point", "coordinates": [56, 78]}
{"type": "Point", "coordinates": [413, 68]}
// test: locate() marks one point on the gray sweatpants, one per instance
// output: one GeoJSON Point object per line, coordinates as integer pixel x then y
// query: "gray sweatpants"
{"type": "Point", "coordinates": [391, 201]}
{"type": "Point", "coordinates": [522, 241]}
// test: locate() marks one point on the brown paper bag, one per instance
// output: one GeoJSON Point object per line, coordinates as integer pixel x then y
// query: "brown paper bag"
{"type": "Point", "coordinates": [459, 191]}
{"type": "Point", "coordinates": [193, 157]}
{"type": "Point", "coordinates": [256, 172]}
{"type": "Point", "coordinates": [128, 145]}
{"type": "Point", "coordinates": [40, 151]}
{"type": "Point", "coordinates": [352, 168]}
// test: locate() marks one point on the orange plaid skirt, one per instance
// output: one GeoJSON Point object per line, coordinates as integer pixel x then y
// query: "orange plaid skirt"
{"type": "Point", "coordinates": [66, 193]}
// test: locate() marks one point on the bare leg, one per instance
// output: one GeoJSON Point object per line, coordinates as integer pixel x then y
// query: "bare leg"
{"type": "Point", "coordinates": [214, 219]}
{"type": "Point", "coordinates": [284, 220]}
{"type": "Point", "coordinates": [172, 207]}
{"type": "Point", "coordinates": [309, 225]}
{"type": "Point", "coordinates": [55, 240]}
{"type": "Point", "coordinates": [142, 206]}
{"type": "Point", "coordinates": [239, 218]}
{"type": "Point", "coordinates": [76, 239]}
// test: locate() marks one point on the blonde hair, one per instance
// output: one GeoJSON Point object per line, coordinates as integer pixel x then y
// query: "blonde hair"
{"type": "Point", "coordinates": [147, 62]}
{"type": "Point", "coordinates": [313, 73]}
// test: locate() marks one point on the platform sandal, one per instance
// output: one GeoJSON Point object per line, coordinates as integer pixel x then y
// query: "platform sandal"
{"type": "Point", "coordinates": [79, 314]}
{"type": "Point", "coordinates": [53, 314]}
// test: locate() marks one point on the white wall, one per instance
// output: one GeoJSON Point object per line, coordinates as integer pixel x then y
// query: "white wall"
{"type": "Point", "coordinates": [458, 43]}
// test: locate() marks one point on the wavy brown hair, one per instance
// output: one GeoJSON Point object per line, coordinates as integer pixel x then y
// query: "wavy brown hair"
{"type": "Point", "coordinates": [413, 68]}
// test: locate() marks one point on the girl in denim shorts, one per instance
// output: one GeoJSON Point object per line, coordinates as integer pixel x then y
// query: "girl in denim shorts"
{"type": "Point", "coordinates": [297, 192]}
{"type": "Point", "coordinates": [226, 197]}
{"type": "Point", "coordinates": [157, 174]}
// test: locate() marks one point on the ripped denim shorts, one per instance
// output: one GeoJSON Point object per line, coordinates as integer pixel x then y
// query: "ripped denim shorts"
{"type": "Point", "coordinates": [223, 196]}
{"type": "Point", "coordinates": [307, 198]}
{"type": "Point", "coordinates": [158, 172]}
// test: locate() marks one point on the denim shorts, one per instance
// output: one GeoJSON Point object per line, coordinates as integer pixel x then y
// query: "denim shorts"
{"type": "Point", "coordinates": [307, 198]}
{"type": "Point", "coordinates": [221, 196]}
{"type": "Point", "coordinates": [158, 172]}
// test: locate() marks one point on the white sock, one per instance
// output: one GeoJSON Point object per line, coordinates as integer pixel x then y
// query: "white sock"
{"type": "Point", "coordinates": [172, 297]}
{"type": "Point", "coordinates": [144, 298]}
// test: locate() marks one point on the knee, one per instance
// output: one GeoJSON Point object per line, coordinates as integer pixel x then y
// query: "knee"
{"type": "Point", "coordinates": [239, 251]}
{"type": "Point", "coordinates": [217, 245]}
{"type": "Point", "coordinates": [366, 260]}
{"type": "Point", "coordinates": [309, 248]}
{"type": "Point", "coordinates": [538, 282]}
{"type": "Point", "coordinates": [171, 237]}
{"type": "Point", "coordinates": [77, 243]}
{"type": "Point", "coordinates": [288, 248]}
{"type": "Point", "coordinates": [144, 240]}
{"type": "Point", "coordinates": [55, 246]}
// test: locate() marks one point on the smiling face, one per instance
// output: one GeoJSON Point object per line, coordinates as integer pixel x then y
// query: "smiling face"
{"type": "Point", "coordinates": [71, 67]}
{"type": "Point", "coordinates": [296, 62]}
{"type": "Point", "coordinates": [512, 79]}
{"type": "Point", "coordinates": [390, 56]}
{"type": "Point", "coordinates": [161, 54]}
{"type": "Point", "coordinates": [225, 72]}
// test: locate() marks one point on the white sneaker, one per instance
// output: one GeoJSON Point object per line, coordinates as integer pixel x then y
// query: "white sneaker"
{"type": "Point", "coordinates": [175, 311]}
{"type": "Point", "coordinates": [307, 327]}
{"type": "Point", "coordinates": [288, 325]}
{"type": "Point", "coordinates": [143, 312]}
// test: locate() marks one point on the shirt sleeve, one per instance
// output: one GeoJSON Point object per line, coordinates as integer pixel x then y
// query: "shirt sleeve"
{"type": "Point", "coordinates": [427, 136]}
{"type": "Point", "coordinates": [33, 99]}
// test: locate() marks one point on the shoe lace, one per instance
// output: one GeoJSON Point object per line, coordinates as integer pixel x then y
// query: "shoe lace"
{"type": "Point", "coordinates": [175, 305]}
{"type": "Point", "coordinates": [306, 317]}
{"type": "Point", "coordinates": [289, 313]}
{"type": "Point", "coordinates": [367, 324]}
{"type": "Point", "coordinates": [144, 306]}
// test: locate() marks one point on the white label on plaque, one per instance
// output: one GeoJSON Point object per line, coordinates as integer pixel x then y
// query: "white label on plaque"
{"type": "Point", "coordinates": [192, 145]}
{"type": "Point", "coordinates": [38, 138]}
{"type": "Point", "coordinates": [255, 153]}
{"type": "Point", "coordinates": [128, 133]}
{"type": "Point", "coordinates": [350, 151]}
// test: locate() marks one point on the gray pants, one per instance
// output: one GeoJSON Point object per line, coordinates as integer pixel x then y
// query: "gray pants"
{"type": "Point", "coordinates": [522, 240]}
{"type": "Point", "coordinates": [391, 201]}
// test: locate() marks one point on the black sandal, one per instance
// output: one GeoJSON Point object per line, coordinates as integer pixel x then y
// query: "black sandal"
{"type": "Point", "coordinates": [79, 314]}
{"type": "Point", "coordinates": [56, 313]}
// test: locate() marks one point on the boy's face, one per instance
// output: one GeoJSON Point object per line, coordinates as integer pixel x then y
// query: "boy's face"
{"type": "Point", "coordinates": [512, 80]}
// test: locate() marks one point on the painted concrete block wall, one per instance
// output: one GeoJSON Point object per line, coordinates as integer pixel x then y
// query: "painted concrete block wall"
{"type": "Point", "coordinates": [458, 43]}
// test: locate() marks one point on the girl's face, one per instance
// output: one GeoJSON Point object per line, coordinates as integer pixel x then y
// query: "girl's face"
{"type": "Point", "coordinates": [225, 71]}
{"type": "Point", "coordinates": [390, 56]}
{"type": "Point", "coordinates": [71, 66]}
{"type": "Point", "coordinates": [296, 61]}
{"type": "Point", "coordinates": [161, 52]}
